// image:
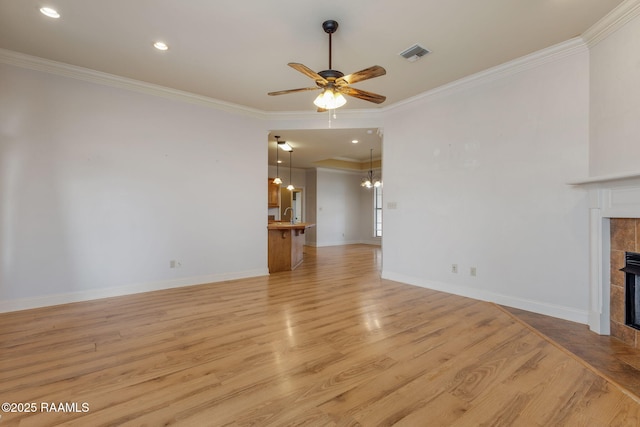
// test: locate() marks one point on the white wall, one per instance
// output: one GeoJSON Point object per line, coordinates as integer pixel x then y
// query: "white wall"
{"type": "Point", "coordinates": [101, 187]}
{"type": "Point", "coordinates": [615, 102]}
{"type": "Point", "coordinates": [478, 172]}
{"type": "Point", "coordinates": [338, 212]}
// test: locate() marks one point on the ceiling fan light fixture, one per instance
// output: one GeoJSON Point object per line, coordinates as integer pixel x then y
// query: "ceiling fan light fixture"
{"type": "Point", "coordinates": [330, 100]}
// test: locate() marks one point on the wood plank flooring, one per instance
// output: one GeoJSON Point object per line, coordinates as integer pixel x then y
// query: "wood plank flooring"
{"type": "Point", "coordinates": [329, 344]}
{"type": "Point", "coordinates": [609, 356]}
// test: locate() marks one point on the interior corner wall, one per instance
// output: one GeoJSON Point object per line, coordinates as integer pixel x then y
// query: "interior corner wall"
{"type": "Point", "coordinates": [477, 176]}
{"type": "Point", "coordinates": [615, 102]}
{"type": "Point", "coordinates": [101, 188]}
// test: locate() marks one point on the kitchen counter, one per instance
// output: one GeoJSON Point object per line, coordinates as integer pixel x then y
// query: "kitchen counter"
{"type": "Point", "coordinates": [286, 242]}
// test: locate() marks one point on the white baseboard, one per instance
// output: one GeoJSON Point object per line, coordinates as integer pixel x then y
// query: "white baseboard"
{"type": "Point", "coordinates": [553, 310]}
{"type": "Point", "coordinates": [345, 242]}
{"type": "Point", "coordinates": [92, 294]}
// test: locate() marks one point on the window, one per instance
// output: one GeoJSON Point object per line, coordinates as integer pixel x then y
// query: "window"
{"type": "Point", "coordinates": [377, 211]}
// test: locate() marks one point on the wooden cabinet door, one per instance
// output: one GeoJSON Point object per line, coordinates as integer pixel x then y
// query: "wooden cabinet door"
{"type": "Point", "coordinates": [274, 194]}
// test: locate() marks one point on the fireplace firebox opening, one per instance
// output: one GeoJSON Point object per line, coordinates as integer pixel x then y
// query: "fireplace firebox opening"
{"type": "Point", "coordinates": [632, 289]}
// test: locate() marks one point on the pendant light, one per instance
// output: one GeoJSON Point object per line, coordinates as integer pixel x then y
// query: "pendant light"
{"type": "Point", "coordinates": [277, 179]}
{"type": "Point", "coordinates": [371, 180]}
{"type": "Point", "coordinates": [290, 187]}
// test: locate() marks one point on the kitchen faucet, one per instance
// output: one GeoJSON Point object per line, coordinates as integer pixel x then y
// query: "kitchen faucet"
{"type": "Point", "coordinates": [290, 215]}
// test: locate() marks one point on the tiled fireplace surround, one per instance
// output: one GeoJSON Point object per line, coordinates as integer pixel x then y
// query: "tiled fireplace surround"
{"type": "Point", "coordinates": [625, 237]}
{"type": "Point", "coordinates": [614, 228]}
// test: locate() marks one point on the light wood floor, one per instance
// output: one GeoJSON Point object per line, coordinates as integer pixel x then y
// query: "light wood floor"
{"type": "Point", "coordinates": [609, 356]}
{"type": "Point", "coordinates": [330, 344]}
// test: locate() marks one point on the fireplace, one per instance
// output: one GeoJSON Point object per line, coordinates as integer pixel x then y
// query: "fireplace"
{"type": "Point", "coordinates": [614, 230]}
{"type": "Point", "coordinates": [632, 290]}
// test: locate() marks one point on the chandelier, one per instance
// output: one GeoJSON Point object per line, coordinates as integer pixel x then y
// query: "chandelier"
{"type": "Point", "coordinates": [371, 180]}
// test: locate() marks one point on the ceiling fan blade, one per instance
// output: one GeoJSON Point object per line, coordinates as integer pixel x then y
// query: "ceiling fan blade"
{"type": "Point", "coordinates": [363, 94]}
{"type": "Point", "coordinates": [308, 72]}
{"type": "Point", "coordinates": [321, 110]}
{"type": "Point", "coordinates": [367, 73]}
{"type": "Point", "coordinates": [283, 92]}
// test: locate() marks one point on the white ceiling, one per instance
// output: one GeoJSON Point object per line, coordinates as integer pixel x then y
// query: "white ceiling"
{"type": "Point", "coordinates": [237, 51]}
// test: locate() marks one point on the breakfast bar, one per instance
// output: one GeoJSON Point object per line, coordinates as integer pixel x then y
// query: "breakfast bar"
{"type": "Point", "coordinates": [286, 242]}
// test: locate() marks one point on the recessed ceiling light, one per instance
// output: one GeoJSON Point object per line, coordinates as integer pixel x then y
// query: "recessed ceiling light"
{"type": "Point", "coordinates": [161, 46]}
{"type": "Point", "coordinates": [355, 141]}
{"type": "Point", "coordinates": [51, 13]}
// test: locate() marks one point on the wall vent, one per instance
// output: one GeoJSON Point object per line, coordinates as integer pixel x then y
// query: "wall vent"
{"type": "Point", "coordinates": [414, 53]}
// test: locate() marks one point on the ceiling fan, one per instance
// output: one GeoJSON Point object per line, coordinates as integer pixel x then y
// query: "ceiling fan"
{"type": "Point", "coordinates": [335, 84]}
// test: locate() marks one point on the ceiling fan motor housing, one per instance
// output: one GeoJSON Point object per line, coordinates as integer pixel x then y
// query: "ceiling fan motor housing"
{"type": "Point", "coordinates": [331, 74]}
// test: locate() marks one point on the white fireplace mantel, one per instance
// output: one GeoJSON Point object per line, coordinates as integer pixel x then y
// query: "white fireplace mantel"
{"type": "Point", "coordinates": [613, 196]}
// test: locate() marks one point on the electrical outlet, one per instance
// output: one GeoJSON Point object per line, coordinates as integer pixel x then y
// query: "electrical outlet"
{"type": "Point", "coordinates": [454, 268]}
{"type": "Point", "coordinates": [472, 271]}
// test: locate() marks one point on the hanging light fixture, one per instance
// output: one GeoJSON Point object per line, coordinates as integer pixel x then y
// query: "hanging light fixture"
{"type": "Point", "coordinates": [277, 179]}
{"type": "Point", "coordinates": [290, 187]}
{"type": "Point", "coordinates": [371, 180]}
{"type": "Point", "coordinates": [283, 145]}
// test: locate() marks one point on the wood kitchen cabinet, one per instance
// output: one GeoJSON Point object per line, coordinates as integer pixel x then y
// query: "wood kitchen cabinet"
{"type": "Point", "coordinates": [274, 194]}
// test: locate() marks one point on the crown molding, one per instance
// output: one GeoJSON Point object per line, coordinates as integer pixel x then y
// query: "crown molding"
{"type": "Point", "coordinates": [551, 54]}
{"type": "Point", "coordinates": [617, 18]}
{"type": "Point", "coordinates": [612, 22]}
{"type": "Point", "coordinates": [626, 176]}
{"type": "Point", "coordinates": [339, 171]}
{"type": "Point", "coordinates": [80, 73]}
{"type": "Point", "coordinates": [341, 114]}
{"type": "Point", "coordinates": [85, 74]}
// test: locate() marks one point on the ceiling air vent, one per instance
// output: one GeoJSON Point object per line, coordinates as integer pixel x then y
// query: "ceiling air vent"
{"type": "Point", "coordinates": [414, 53]}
